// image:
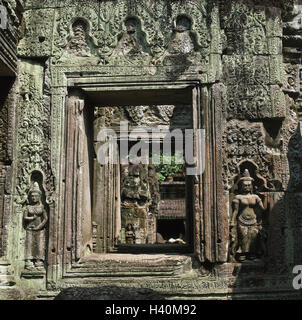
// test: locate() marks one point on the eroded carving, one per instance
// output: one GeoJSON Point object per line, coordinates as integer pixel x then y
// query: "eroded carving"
{"type": "Point", "coordinates": [134, 187]}
{"type": "Point", "coordinates": [132, 41]}
{"type": "Point", "coordinates": [246, 224]}
{"type": "Point", "coordinates": [140, 199]}
{"type": "Point", "coordinates": [35, 219]}
{"type": "Point", "coordinates": [3, 133]}
{"type": "Point", "coordinates": [166, 41]}
{"type": "Point", "coordinates": [77, 44]}
{"type": "Point", "coordinates": [33, 139]}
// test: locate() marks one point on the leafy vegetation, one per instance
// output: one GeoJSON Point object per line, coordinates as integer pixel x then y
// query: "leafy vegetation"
{"type": "Point", "coordinates": [169, 166]}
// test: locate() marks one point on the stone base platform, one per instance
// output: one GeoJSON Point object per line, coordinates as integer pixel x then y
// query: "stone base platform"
{"type": "Point", "coordinates": [167, 277]}
{"type": "Point", "coordinates": [132, 265]}
{"type": "Point", "coordinates": [188, 287]}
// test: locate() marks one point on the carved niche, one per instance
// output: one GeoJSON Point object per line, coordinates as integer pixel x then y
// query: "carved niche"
{"type": "Point", "coordinates": [35, 219]}
{"type": "Point", "coordinates": [143, 31]}
{"type": "Point", "coordinates": [248, 224]}
{"type": "Point", "coordinates": [183, 41]}
{"type": "Point", "coordinates": [132, 40]}
{"type": "Point", "coordinates": [77, 44]}
{"type": "Point", "coordinates": [135, 202]}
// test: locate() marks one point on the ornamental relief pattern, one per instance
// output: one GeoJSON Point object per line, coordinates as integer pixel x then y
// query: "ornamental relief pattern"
{"type": "Point", "coordinates": [3, 133]}
{"type": "Point", "coordinates": [37, 40]}
{"type": "Point", "coordinates": [107, 24]}
{"type": "Point", "coordinates": [252, 102]}
{"type": "Point", "coordinates": [293, 150]}
{"type": "Point", "coordinates": [244, 141]}
{"type": "Point", "coordinates": [245, 29]}
{"type": "Point", "coordinates": [292, 78]}
{"type": "Point", "coordinates": [166, 116]}
{"type": "Point", "coordinates": [33, 140]}
{"type": "Point", "coordinates": [277, 153]}
{"type": "Point", "coordinates": [132, 33]}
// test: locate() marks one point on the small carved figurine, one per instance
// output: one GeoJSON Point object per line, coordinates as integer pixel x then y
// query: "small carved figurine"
{"type": "Point", "coordinates": [246, 228]}
{"type": "Point", "coordinates": [35, 219]}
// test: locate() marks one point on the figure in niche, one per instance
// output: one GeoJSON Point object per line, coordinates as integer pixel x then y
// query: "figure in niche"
{"type": "Point", "coordinates": [77, 44]}
{"type": "Point", "coordinates": [182, 41]}
{"type": "Point", "coordinates": [130, 234]}
{"type": "Point", "coordinates": [246, 224]}
{"type": "Point", "coordinates": [135, 202]}
{"type": "Point", "coordinates": [35, 219]}
{"type": "Point", "coordinates": [132, 40]}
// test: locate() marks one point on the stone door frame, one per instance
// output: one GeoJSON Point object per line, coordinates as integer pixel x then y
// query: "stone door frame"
{"type": "Point", "coordinates": [60, 255]}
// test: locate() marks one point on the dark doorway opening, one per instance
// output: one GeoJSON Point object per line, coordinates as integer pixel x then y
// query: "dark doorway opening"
{"type": "Point", "coordinates": [171, 228]}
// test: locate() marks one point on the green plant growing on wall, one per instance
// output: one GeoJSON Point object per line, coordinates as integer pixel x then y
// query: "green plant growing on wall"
{"type": "Point", "coordinates": [169, 166]}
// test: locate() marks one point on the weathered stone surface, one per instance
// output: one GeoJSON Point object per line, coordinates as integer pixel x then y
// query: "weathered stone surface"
{"type": "Point", "coordinates": [228, 68]}
{"type": "Point", "coordinates": [108, 293]}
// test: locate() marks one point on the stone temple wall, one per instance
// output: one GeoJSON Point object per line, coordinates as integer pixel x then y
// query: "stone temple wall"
{"type": "Point", "coordinates": [10, 34]}
{"type": "Point", "coordinates": [236, 63]}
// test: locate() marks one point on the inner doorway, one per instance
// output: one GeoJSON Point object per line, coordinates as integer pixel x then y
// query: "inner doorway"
{"type": "Point", "coordinates": [110, 230]}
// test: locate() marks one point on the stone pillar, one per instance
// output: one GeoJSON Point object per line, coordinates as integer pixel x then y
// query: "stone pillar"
{"type": "Point", "coordinates": [106, 214]}
{"type": "Point", "coordinates": [78, 177]}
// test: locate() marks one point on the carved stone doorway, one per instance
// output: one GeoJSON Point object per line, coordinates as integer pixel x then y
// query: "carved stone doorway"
{"type": "Point", "coordinates": [92, 205]}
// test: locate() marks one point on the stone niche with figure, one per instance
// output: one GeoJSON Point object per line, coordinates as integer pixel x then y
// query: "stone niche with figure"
{"type": "Point", "coordinates": [116, 80]}
{"type": "Point", "coordinates": [248, 226]}
{"type": "Point", "coordinates": [35, 219]}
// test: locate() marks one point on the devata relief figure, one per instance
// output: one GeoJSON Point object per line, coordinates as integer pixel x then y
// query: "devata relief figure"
{"type": "Point", "coordinates": [132, 41]}
{"type": "Point", "coordinates": [246, 228]}
{"type": "Point", "coordinates": [135, 186]}
{"type": "Point", "coordinates": [135, 202]}
{"type": "Point", "coordinates": [182, 42]}
{"type": "Point", "coordinates": [35, 219]}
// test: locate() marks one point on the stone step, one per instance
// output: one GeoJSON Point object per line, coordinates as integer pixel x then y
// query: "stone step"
{"type": "Point", "coordinates": [108, 293]}
{"type": "Point", "coordinates": [47, 295]}
{"type": "Point", "coordinates": [113, 265]}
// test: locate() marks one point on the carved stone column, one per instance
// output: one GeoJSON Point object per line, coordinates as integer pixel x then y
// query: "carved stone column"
{"type": "Point", "coordinates": [106, 214]}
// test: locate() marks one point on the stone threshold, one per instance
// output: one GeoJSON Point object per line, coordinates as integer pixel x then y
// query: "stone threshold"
{"type": "Point", "coordinates": [131, 265]}
{"type": "Point", "coordinates": [193, 287]}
